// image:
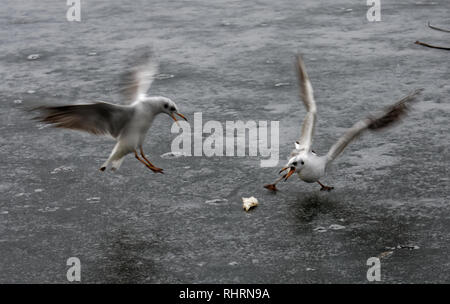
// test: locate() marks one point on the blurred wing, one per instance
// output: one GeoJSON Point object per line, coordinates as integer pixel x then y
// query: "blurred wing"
{"type": "Point", "coordinates": [306, 93]}
{"type": "Point", "coordinates": [138, 80]}
{"type": "Point", "coordinates": [387, 118]}
{"type": "Point", "coordinates": [350, 135]}
{"type": "Point", "coordinates": [98, 118]}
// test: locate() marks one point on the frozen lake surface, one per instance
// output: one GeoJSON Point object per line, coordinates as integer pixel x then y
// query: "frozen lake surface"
{"type": "Point", "coordinates": [225, 59]}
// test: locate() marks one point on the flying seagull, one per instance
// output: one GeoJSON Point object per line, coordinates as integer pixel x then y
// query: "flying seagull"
{"type": "Point", "coordinates": [309, 166]}
{"type": "Point", "coordinates": [127, 124]}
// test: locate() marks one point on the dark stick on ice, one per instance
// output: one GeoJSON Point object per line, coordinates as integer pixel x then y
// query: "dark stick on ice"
{"type": "Point", "coordinates": [432, 46]}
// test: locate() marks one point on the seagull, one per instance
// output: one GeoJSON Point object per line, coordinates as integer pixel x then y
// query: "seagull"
{"type": "Point", "coordinates": [127, 124]}
{"type": "Point", "coordinates": [309, 166]}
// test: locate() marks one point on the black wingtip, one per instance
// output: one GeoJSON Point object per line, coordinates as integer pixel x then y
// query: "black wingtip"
{"type": "Point", "coordinates": [394, 113]}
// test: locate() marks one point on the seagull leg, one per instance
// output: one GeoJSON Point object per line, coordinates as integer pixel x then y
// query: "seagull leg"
{"type": "Point", "coordinates": [273, 187]}
{"type": "Point", "coordinates": [154, 169]}
{"type": "Point", "coordinates": [325, 188]}
{"type": "Point", "coordinates": [146, 159]}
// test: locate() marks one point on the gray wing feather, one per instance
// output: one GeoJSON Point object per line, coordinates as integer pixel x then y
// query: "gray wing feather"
{"type": "Point", "coordinates": [137, 81]}
{"type": "Point", "coordinates": [307, 96]}
{"type": "Point", "coordinates": [97, 118]}
{"type": "Point", "coordinates": [344, 140]}
{"type": "Point", "coordinates": [387, 118]}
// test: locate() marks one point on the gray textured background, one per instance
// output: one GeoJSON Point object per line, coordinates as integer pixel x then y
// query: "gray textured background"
{"type": "Point", "coordinates": [391, 188]}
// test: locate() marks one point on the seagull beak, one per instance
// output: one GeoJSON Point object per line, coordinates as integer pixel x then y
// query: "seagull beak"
{"type": "Point", "coordinates": [289, 173]}
{"type": "Point", "coordinates": [283, 169]}
{"type": "Point", "coordinates": [181, 115]}
{"type": "Point", "coordinates": [174, 117]}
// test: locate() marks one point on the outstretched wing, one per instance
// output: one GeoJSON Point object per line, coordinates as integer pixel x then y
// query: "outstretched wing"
{"type": "Point", "coordinates": [137, 81]}
{"type": "Point", "coordinates": [306, 93]}
{"type": "Point", "coordinates": [387, 118]}
{"type": "Point", "coordinates": [97, 118]}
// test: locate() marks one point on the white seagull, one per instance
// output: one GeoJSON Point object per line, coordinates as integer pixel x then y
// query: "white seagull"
{"type": "Point", "coordinates": [309, 166]}
{"type": "Point", "coordinates": [127, 124]}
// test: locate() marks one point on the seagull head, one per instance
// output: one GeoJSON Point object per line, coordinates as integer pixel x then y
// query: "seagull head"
{"type": "Point", "coordinates": [166, 105]}
{"type": "Point", "coordinates": [295, 165]}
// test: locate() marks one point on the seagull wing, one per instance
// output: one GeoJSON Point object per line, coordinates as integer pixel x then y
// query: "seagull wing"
{"type": "Point", "coordinates": [99, 118]}
{"type": "Point", "coordinates": [137, 81]}
{"type": "Point", "coordinates": [387, 118]}
{"type": "Point", "coordinates": [306, 93]}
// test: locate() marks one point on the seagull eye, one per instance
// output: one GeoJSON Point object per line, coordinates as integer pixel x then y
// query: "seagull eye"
{"type": "Point", "coordinates": [302, 162]}
{"type": "Point", "coordinates": [166, 106]}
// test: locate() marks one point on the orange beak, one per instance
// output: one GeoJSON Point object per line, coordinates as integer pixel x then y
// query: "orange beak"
{"type": "Point", "coordinates": [283, 169]}
{"type": "Point", "coordinates": [289, 173]}
{"type": "Point", "coordinates": [179, 114]}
